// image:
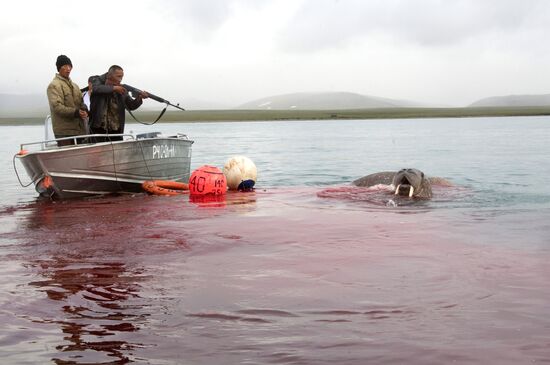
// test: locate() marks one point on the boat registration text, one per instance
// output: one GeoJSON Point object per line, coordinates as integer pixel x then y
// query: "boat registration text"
{"type": "Point", "coordinates": [164, 151]}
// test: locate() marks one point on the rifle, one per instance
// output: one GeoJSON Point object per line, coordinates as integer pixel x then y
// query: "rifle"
{"type": "Point", "coordinates": [136, 91]}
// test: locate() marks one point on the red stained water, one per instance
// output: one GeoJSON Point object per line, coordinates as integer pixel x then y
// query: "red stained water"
{"type": "Point", "coordinates": [286, 276]}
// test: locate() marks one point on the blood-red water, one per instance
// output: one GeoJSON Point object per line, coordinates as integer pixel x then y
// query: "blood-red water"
{"type": "Point", "coordinates": [285, 276]}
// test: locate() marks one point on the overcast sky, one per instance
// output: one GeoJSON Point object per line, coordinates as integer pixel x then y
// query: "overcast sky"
{"type": "Point", "coordinates": [445, 52]}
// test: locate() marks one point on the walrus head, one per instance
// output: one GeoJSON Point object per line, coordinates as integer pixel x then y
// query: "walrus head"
{"type": "Point", "coordinates": [412, 183]}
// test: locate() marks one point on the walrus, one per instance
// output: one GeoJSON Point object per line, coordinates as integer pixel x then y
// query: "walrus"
{"type": "Point", "coordinates": [406, 182]}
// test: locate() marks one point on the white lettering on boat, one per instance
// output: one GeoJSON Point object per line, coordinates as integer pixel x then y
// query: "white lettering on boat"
{"type": "Point", "coordinates": [164, 151]}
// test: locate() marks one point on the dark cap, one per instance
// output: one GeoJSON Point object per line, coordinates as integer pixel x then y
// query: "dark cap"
{"type": "Point", "coordinates": [63, 60]}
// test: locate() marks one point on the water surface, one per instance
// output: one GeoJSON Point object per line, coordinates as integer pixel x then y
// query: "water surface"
{"type": "Point", "coordinates": [303, 271]}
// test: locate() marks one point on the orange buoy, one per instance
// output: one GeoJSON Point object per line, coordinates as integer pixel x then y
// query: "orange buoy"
{"type": "Point", "coordinates": [207, 180]}
{"type": "Point", "coordinates": [45, 186]}
{"type": "Point", "coordinates": [46, 182]}
{"type": "Point", "coordinates": [165, 187]}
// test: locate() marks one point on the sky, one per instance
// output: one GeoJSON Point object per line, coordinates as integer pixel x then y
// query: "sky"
{"type": "Point", "coordinates": [228, 52]}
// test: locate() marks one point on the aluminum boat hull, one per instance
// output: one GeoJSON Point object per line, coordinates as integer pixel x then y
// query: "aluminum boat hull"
{"type": "Point", "coordinates": [107, 167]}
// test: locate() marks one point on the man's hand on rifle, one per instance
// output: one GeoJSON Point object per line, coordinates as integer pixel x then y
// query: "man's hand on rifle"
{"type": "Point", "coordinates": [119, 89]}
{"type": "Point", "coordinates": [143, 95]}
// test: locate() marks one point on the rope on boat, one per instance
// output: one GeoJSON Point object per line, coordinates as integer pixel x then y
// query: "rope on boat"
{"type": "Point", "coordinates": [19, 179]}
{"type": "Point", "coordinates": [142, 155]}
{"type": "Point", "coordinates": [144, 159]}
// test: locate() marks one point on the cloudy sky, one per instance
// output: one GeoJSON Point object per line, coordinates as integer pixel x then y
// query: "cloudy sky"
{"type": "Point", "coordinates": [442, 52]}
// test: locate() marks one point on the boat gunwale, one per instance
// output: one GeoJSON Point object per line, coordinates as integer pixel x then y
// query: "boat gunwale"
{"type": "Point", "coordinates": [55, 148]}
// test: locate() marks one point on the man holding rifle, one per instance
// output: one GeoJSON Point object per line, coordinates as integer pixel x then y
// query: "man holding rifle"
{"type": "Point", "coordinates": [109, 101]}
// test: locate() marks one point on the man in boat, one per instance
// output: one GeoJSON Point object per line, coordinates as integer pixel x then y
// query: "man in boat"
{"type": "Point", "coordinates": [86, 96]}
{"type": "Point", "coordinates": [109, 101]}
{"type": "Point", "coordinates": [67, 109]}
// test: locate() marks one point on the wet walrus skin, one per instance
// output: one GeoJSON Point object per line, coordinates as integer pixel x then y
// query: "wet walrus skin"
{"type": "Point", "coordinates": [408, 182]}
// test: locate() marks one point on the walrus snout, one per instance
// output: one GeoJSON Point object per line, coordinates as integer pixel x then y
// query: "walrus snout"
{"type": "Point", "coordinates": [407, 182]}
{"type": "Point", "coordinates": [404, 189]}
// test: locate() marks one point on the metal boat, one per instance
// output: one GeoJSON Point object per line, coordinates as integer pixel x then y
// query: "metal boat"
{"type": "Point", "coordinates": [97, 168]}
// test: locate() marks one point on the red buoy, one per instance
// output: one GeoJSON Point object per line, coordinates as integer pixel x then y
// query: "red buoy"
{"type": "Point", "coordinates": [207, 180]}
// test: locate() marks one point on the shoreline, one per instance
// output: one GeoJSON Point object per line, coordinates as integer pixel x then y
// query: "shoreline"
{"type": "Point", "coordinates": [234, 115]}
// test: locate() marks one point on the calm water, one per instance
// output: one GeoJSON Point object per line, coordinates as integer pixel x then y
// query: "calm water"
{"type": "Point", "coordinates": [306, 270]}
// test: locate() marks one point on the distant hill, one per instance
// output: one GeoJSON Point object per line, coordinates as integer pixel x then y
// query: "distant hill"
{"type": "Point", "coordinates": [514, 100]}
{"type": "Point", "coordinates": [324, 101]}
{"type": "Point", "coordinates": [198, 104]}
{"type": "Point", "coordinates": [28, 105]}
{"type": "Point", "coordinates": [36, 105]}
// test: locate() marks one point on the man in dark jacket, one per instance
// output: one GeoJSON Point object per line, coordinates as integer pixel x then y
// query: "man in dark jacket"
{"type": "Point", "coordinates": [108, 103]}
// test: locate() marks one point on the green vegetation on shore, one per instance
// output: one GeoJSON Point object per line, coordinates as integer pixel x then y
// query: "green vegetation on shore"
{"type": "Point", "coordinates": [278, 115]}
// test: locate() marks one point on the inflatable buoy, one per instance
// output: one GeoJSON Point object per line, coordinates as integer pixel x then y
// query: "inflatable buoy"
{"type": "Point", "coordinates": [240, 172]}
{"type": "Point", "coordinates": [45, 186]}
{"type": "Point", "coordinates": [165, 187]}
{"type": "Point", "coordinates": [207, 180]}
{"type": "Point", "coordinates": [47, 182]}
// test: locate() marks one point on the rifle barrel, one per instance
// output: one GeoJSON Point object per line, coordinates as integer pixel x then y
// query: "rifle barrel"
{"type": "Point", "coordinates": [152, 96]}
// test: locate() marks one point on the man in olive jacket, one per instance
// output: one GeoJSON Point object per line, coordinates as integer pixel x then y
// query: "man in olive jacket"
{"type": "Point", "coordinates": [109, 101]}
{"type": "Point", "coordinates": [67, 109]}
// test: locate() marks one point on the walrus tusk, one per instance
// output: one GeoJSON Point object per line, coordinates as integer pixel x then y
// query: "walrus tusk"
{"type": "Point", "coordinates": [397, 189]}
{"type": "Point", "coordinates": [411, 192]}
